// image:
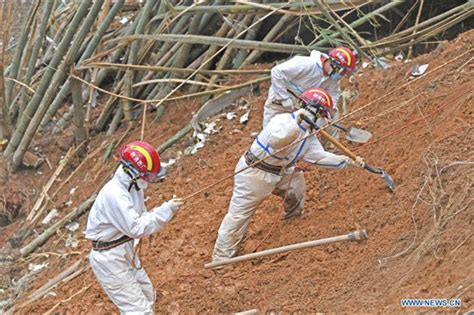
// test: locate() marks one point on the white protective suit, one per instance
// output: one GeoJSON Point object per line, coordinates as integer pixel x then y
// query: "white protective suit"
{"type": "Point", "coordinates": [253, 185]}
{"type": "Point", "coordinates": [115, 213]}
{"type": "Point", "coordinates": [299, 74]}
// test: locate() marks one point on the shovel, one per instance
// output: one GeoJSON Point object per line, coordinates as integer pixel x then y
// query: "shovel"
{"type": "Point", "coordinates": [377, 170]}
{"type": "Point", "coordinates": [355, 134]}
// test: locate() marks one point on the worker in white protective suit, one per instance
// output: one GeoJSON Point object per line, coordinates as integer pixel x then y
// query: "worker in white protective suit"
{"type": "Point", "coordinates": [117, 218]}
{"type": "Point", "coordinates": [300, 73]}
{"type": "Point", "coordinates": [281, 144]}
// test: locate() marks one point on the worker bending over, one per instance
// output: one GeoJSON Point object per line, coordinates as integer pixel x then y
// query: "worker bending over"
{"type": "Point", "coordinates": [286, 133]}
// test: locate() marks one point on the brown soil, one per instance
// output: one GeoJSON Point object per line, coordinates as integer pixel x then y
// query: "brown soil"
{"type": "Point", "coordinates": [420, 237]}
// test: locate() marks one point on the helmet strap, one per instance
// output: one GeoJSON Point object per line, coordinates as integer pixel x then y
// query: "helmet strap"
{"type": "Point", "coordinates": [134, 177]}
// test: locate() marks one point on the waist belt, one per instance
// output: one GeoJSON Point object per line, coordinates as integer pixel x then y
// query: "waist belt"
{"type": "Point", "coordinates": [251, 159]}
{"type": "Point", "coordinates": [99, 246]}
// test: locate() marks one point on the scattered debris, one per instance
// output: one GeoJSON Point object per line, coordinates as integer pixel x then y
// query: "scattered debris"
{"type": "Point", "coordinates": [417, 71]}
{"type": "Point", "coordinates": [34, 268]}
{"type": "Point", "coordinates": [73, 226]}
{"type": "Point", "coordinates": [50, 216]}
{"type": "Point", "coordinates": [231, 115]}
{"type": "Point", "coordinates": [244, 118]}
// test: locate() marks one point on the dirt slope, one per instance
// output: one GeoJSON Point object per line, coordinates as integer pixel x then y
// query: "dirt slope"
{"type": "Point", "coordinates": [420, 237]}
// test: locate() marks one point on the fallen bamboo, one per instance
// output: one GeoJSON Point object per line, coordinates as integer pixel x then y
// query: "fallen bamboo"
{"type": "Point", "coordinates": [210, 40]}
{"type": "Point", "coordinates": [277, 7]}
{"type": "Point", "coordinates": [58, 78]}
{"type": "Point", "coordinates": [29, 248]}
{"type": "Point", "coordinates": [91, 47]}
{"type": "Point", "coordinates": [34, 211]}
{"type": "Point", "coordinates": [186, 96]}
{"type": "Point", "coordinates": [120, 66]}
{"type": "Point", "coordinates": [80, 134]}
{"type": "Point", "coordinates": [20, 50]}
{"type": "Point", "coordinates": [35, 51]}
{"type": "Point", "coordinates": [357, 235]}
{"type": "Point", "coordinates": [168, 143]}
{"type": "Point", "coordinates": [30, 109]}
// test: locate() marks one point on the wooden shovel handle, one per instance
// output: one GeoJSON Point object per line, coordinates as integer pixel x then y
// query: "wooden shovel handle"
{"type": "Point", "coordinates": [338, 144]}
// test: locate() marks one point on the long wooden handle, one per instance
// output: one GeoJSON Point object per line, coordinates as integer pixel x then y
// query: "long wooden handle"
{"type": "Point", "coordinates": [338, 144]}
{"type": "Point", "coordinates": [357, 235]}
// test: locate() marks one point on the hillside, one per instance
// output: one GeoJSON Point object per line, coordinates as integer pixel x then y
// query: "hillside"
{"type": "Point", "coordinates": [420, 237]}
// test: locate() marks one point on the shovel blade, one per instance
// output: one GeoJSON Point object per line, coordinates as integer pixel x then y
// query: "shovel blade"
{"type": "Point", "coordinates": [388, 181]}
{"type": "Point", "coordinates": [386, 178]}
{"type": "Point", "coordinates": [358, 135]}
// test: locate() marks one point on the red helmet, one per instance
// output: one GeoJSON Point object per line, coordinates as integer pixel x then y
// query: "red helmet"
{"type": "Point", "coordinates": [142, 158]}
{"type": "Point", "coordinates": [343, 60]}
{"type": "Point", "coordinates": [318, 102]}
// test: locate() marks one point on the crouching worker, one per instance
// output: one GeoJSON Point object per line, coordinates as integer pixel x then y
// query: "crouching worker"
{"type": "Point", "coordinates": [285, 133]}
{"type": "Point", "coordinates": [119, 216]}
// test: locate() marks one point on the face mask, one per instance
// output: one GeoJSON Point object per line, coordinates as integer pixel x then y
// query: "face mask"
{"type": "Point", "coordinates": [335, 76]}
{"type": "Point", "coordinates": [142, 184]}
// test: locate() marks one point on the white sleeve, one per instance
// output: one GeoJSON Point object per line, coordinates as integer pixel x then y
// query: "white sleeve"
{"type": "Point", "coordinates": [284, 73]}
{"type": "Point", "coordinates": [317, 155]}
{"type": "Point", "coordinates": [125, 218]}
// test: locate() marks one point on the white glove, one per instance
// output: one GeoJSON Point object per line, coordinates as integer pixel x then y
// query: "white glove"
{"type": "Point", "coordinates": [358, 162]}
{"type": "Point", "coordinates": [175, 203]}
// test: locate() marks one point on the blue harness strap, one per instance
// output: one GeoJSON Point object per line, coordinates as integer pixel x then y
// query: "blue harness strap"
{"type": "Point", "coordinates": [266, 148]}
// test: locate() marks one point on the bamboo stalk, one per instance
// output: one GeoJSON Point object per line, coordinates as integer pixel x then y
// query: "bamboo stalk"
{"type": "Point", "coordinates": [46, 80]}
{"type": "Point", "coordinates": [168, 143]}
{"type": "Point", "coordinates": [207, 40]}
{"type": "Point", "coordinates": [321, 5]}
{"type": "Point", "coordinates": [277, 7]}
{"type": "Point", "coordinates": [187, 96]}
{"type": "Point", "coordinates": [29, 248]}
{"type": "Point", "coordinates": [92, 45]}
{"type": "Point", "coordinates": [129, 75]}
{"type": "Point", "coordinates": [15, 64]}
{"type": "Point", "coordinates": [57, 79]}
{"type": "Point", "coordinates": [360, 21]}
{"type": "Point", "coordinates": [48, 6]}
{"type": "Point", "coordinates": [80, 134]}
{"type": "Point", "coordinates": [253, 56]}
{"type": "Point", "coordinates": [120, 66]}
{"type": "Point", "coordinates": [4, 119]}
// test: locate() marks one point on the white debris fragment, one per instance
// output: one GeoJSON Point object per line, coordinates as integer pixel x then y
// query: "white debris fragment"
{"type": "Point", "coordinates": [51, 293]}
{"type": "Point", "coordinates": [50, 216]}
{"type": "Point", "coordinates": [230, 115]}
{"type": "Point", "coordinates": [123, 20]}
{"type": "Point", "coordinates": [73, 226]}
{"type": "Point", "coordinates": [210, 128]}
{"type": "Point", "coordinates": [72, 191]}
{"type": "Point", "coordinates": [245, 117]}
{"type": "Point", "coordinates": [417, 71]}
{"type": "Point", "coordinates": [68, 203]}
{"type": "Point", "coordinates": [72, 242]}
{"type": "Point", "coordinates": [37, 267]}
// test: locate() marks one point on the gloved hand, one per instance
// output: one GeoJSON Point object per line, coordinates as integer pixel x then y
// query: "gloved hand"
{"type": "Point", "coordinates": [358, 162]}
{"type": "Point", "coordinates": [175, 203]}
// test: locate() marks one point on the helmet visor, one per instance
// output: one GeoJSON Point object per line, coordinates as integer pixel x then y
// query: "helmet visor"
{"type": "Point", "coordinates": [155, 177]}
{"type": "Point", "coordinates": [340, 69]}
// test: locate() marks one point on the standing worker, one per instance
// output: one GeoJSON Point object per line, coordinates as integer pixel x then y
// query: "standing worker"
{"type": "Point", "coordinates": [300, 73]}
{"type": "Point", "coordinates": [119, 216]}
{"type": "Point", "coordinates": [288, 134]}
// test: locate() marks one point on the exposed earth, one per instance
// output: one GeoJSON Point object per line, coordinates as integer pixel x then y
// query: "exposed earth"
{"type": "Point", "coordinates": [420, 237]}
